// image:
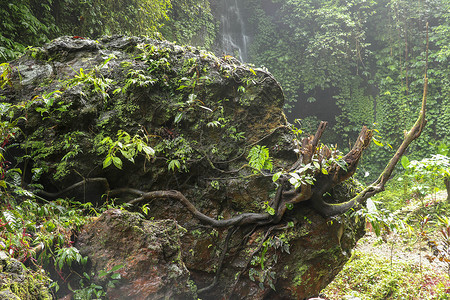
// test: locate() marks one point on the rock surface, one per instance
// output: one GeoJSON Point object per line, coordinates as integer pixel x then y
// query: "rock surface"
{"type": "Point", "coordinates": [17, 283]}
{"type": "Point", "coordinates": [149, 252]}
{"type": "Point", "coordinates": [201, 114]}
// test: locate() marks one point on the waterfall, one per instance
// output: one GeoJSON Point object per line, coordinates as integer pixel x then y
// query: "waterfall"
{"type": "Point", "coordinates": [234, 39]}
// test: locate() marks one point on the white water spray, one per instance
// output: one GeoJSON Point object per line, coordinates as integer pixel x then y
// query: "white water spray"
{"type": "Point", "coordinates": [234, 39]}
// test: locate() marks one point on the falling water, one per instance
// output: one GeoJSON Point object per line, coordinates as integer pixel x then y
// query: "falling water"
{"type": "Point", "coordinates": [234, 40]}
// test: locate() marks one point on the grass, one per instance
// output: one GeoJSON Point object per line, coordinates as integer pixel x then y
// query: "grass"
{"type": "Point", "coordinates": [375, 273]}
{"type": "Point", "coordinates": [371, 277]}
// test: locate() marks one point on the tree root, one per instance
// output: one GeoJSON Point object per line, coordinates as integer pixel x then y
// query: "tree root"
{"type": "Point", "coordinates": [242, 219]}
{"type": "Point", "coordinates": [221, 259]}
{"type": "Point", "coordinates": [247, 263]}
{"type": "Point", "coordinates": [81, 183]}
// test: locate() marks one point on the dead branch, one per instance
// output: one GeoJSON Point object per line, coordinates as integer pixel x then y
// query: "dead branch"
{"type": "Point", "coordinates": [379, 185]}
{"type": "Point", "coordinates": [309, 146]}
{"type": "Point", "coordinates": [413, 134]}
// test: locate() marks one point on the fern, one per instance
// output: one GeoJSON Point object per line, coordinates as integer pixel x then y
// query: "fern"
{"type": "Point", "coordinates": [13, 224]}
{"type": "Point", "coordinates": [259, 159]}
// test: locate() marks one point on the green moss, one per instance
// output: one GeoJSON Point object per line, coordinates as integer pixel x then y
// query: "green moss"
{"type": "Point", "coordinates": [300, 272]}
{"type": "Point", "coordinates": [30, 285]}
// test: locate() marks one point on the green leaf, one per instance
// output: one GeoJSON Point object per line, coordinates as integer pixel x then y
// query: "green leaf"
{"type": "Point", "coordinates": [178, 117]}
{"type": "Point", "coordinates": [276, 176]}
{"type": "Point", "coordinates": [316, 164]}
{"type": "Point", "coordinates": [405, 162]}
{"type": "Point", "coordinates": [207, 108]}
{"type": "Point", "coordinates": [174, 164]}
{"type": "Point", "coordinates": [117, 267]}
{"type": "Point", "coordinates": [86, 276]}
{"type": "Point", "coordinates": [117, 162]}
{"type": "Point", "coordinates": [378, 143]}
{"type": "Point", "coordinates": [371, 207]}
{"type": "Point", "coordinates": [148, 150]}
{"type": "Point", "coordinates": [102, 273]}
{"type": "Point", "coordinates": [259, 158]}
{"type": "Point", "coordinates": [107, 162]}
{"type": "Point", "coordinates": [191, 97]}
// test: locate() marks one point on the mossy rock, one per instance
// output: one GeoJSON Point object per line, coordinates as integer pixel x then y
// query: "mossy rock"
{"type": "Point", "coordinates": [18, 282]}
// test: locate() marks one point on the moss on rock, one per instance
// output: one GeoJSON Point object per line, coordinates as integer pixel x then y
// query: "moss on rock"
{"type": "Point", "coordinates": [18, 282]}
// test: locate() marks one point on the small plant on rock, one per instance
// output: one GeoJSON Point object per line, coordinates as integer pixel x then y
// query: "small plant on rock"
{"type": "Point", "coordinates": [129, 146]}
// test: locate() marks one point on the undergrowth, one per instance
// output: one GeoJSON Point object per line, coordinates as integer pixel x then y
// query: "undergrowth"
{"type": "Point", "coordinates": [369, 276]}
{"type": "Point", "coordinates": [40, 234]}
{"type": "Point", "coordinates": [412, 214]}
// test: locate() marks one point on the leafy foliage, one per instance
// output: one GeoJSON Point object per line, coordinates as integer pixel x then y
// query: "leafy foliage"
{"type": "Point", "coordinates": [90, 290]}
{"type": "Point", "coordinates": [29, 226]}
{"type": "Point", "coordinates": [364, 61]}
{"type": "Point", "coordinates": [92, 82]}
{"type": "Point", "coordinates": [427, 174]}
{"type": "Point", "coordinates": [368, 276]}
{"type": "Point", "coordinates": [265, 261]}
{"type": "Point", "coordinates": [190, 22]}
{"type": "Point", "coordinates": [128, 146]}
{"type": "Point", "coordinates": [259, 158]}
{"type": "Point", "coordinates": [32, 23]}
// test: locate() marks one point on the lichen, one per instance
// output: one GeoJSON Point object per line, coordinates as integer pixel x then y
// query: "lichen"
{"type": "Point", "coordinates": [18, 282]}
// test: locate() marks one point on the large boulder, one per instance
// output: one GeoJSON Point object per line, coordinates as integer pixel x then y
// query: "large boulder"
{"type": "Point", "coordinates": [201, 114]}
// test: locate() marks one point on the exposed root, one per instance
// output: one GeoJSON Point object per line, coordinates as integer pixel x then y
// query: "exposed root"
{"type": "Point", "coordinates": [82, 183]}
{"type": "Point", "coordinates": [242, 219]}
{"type": "Point", "coordinates": [247, 263]}
{"type": "Point", "coordinates": [221, 259]}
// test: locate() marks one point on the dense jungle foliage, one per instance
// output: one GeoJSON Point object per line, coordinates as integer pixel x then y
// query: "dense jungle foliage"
{"type": "Point", "coordinates": [350, 62]}
{"type": "Point", "coordinates": [32, 23]}
{"type": "Point", "coordinates": [361, 61]}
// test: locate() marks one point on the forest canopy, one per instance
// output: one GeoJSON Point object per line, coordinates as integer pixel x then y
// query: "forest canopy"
{"type": "Point", "coordinates": [348, 62]}
{"type": "Point", "coordinates": [162, 78]}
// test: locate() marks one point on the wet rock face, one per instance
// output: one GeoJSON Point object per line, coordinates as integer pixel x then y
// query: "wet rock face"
{"type": "Point", "coordinates": [149, 252]}
{"type": "Point", "coordinates": [201, 111]}
{"type": "Point", "coordinates": [16, 282]}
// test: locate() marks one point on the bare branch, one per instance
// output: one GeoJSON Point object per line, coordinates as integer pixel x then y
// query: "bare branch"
{"type": "Point", "coordinates": [378, 186]}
